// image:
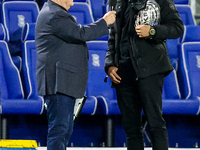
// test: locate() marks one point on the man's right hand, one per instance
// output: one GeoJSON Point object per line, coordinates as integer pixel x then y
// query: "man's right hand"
{"type": "Point", "coordinates": [110, 17]}
{"type": "Point", "coordinates": [112, 73]}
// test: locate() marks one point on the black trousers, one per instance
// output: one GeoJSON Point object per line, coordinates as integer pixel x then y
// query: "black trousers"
{"type": "Point", "coordinates": [135, 95]}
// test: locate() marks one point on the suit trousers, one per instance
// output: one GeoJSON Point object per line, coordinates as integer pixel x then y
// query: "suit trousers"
{"type": "Point", "coordinates": [60, 109]}
{"type": "Point", "coordinates": [136, 95]}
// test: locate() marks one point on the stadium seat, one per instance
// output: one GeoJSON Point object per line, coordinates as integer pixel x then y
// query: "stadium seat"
{"type": "Point", "coordinates": [28, 74]}
{"type": "Point", "coordinates": [82, 13]}
{"type": "Point", "coordinates": [172, 101]}
{"type": "Point", "coordinates": [15, 14]}
{"type": "Point", "coordinates": [12, 94]}
{"type": "Point", "coordinates": [97, 8]}
{"type": "Point", "coordinates": [172, 47]}
{"type": "Point", "coordinates": [17, 60]}
{"type": "Point", "coordinates": [188, 19]}
{"type": "Point", "coordinates": [181, 1]}
{"type": "Point", "coordinates": [189, 62]}
{"type": "Point", "coordinates": [171, 87]}
{"type": "Point", "coordinates": [106, 97]}
{"type": "Point", "coordinates": [186, 14]}
{"type": "Point", "coordinates": [107, 103]}
{"type": "Point", "coordinates": [191, 34]}
{"type": "Point", "coordinates": [28, 32]}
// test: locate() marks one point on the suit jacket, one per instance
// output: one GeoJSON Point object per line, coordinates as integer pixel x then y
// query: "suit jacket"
{"type": "Point", "coordinates": [149, 55]}
{"type": "Point", "coordinates": [62, 53]}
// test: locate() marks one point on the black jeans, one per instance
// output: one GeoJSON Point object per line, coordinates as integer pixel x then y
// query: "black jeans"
{"type": "Point", "coordinates": [135, 95]}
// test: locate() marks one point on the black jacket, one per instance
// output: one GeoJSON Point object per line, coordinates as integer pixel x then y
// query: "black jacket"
{"type": "Point", "coordinates": [62, 53]}
{"type": "Point", "coordinates": [149, 56]}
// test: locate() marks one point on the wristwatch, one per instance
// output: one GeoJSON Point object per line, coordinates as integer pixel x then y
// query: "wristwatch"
{"type": "Point", "coordinates": [152, 31]}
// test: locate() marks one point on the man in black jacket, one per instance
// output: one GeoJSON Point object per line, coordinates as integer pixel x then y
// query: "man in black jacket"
{"type": "Point", "coordinates": [137, 61]}
{"type": "Point", "coordinates": [62, 64]}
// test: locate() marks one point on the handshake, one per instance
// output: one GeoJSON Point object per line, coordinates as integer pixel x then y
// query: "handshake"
{"type": "Point", "coordinates": [110, 17]}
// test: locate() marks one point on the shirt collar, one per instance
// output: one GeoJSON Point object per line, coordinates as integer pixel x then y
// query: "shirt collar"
{"type": "Point", "coordinates": [51, 2]}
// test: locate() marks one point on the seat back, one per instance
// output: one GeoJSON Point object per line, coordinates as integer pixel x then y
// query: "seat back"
{"type": "Point", "coordinates": [181, 1]}
{"type": "Point", "coordinates": [171, 87]}
{"type": "Point", "coordinates": [11, 85]}
{"type": "Point", "coordinates": [189, 62]}
{"type": "Point", "coordinates": [96, 85]}
{"type": "Point", "coordinates": [172, 47]}
{"type": "Point", "coordinates": [82, 13]}
{"type": "Point", "coordinates": [97, 8]}
{"type": "Point", "coordinates": [190, 69]}
{"type": "Point", "coordinates": [186, 14]}
{"type": "Point", "coordinates": [29, 62]}
{"type": "Point", "coordinates": [16, 14]}
{"type": "Point", "coordinates": [10, 81]}
{"type": "Point", "coordinates": [28, 32]}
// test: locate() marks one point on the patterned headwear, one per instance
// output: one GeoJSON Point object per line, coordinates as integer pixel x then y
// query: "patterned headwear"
{"type": "Point", "coordinates": [150, 15]}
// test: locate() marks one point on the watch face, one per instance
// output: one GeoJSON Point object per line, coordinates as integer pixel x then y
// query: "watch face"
{"type": "Point", "coordinates": [152, 32]}
{"type": "Point", "coordinates": [150, 15]}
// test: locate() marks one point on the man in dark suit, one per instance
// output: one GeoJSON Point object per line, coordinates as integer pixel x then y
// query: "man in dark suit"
{"type": "Point", "coordinates": [62, 64]}
{"type": "Point", "coordinates": [137, 62]}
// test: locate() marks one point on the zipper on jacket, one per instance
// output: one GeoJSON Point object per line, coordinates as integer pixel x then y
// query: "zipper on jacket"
{"type": "Point", "coordinates": [133, 57]}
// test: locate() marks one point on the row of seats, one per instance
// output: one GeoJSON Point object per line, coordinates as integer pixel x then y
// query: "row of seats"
{"type": "Point", "coordinates": [12, 89]}
{"type": "Point", "coordinates": [19, 23]}
{"type": "Point", "coordinates": [189, 70]}
{"type": "Point", "coordinates": [16, 18]}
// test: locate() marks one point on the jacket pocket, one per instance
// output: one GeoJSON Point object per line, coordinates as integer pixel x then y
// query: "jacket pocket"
{"type": "Point", "coordinates": [66, 66]}
{"type": "Point", "coordinates": [66, 78]}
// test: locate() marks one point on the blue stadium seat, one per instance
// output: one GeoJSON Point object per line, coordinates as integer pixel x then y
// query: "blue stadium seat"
{"type": "Point", "coordinates": [191, 34]}
{"type": "Point", "coordinates": [181, 1]}
{"type": "Point", "coordinates": [189, 62]}
{"type": "Point", "coordinates": [97, 8]}
{"type": "Point", "coordinates": [107, 102]}
{"type": "Point", "coordinates": [12, 94]}
{"type": "Point", "coordinates": [90, 106]}
{"type": "Point", "coordinates": [172, 101]}
{"type": "Point", "coordinates": [171, 87]}
{"type": "Point", "coordinates": [16, 59]}
{"type": "Point", "coordinates": [172, 47]}
{"type": "Point", "coordinates": [28, 32]}
{"type": "Point", "coordinates": [16, 14]}
{"type": "Point", "coordinates": [188, 19]}
{"type": "Point", "coordinates": [186, 14]}
{"type": "Point", "coordinates": [106, 97]}
{"type": "Point", "coordinates": [28, 74]}
{"type": "Point", "coordinates": [82, 13]}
